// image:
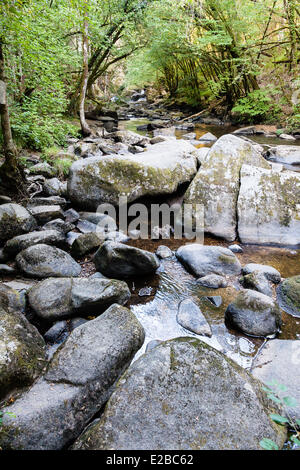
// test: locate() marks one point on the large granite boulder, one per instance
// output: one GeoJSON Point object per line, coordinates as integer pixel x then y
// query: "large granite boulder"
{"type": "Point", "coordinates": [269, 206]}
{"type": "Point", "coordinates": [54, 299]}
{"type": "Point", "coordinates": [15, 220]}
{"type": "Point", "coordinates": [47, 261]}
{"type": "Point", "coordinates": [288, 294]}
{"type": "Point", "coordinates": [217, 184]}
{"type": "Point", "coordinates": [184, 395]}
{"type": "Point", "coordinates": [22, 352]}
{"type": "Point", "coordinates": [119, 261]}
{"type": "Point", "coordinates": [254, 314]}
{"type": "Point", "coordinates": [203, 260]}
{"type": "Point", "coordinates": [278, 363]}
{"type": "Point", "coordinates": [159, 170]}
{"type": "Point", "coordinates": [79, 380]}
{"type": "Point", "coordinates": [21, 242]}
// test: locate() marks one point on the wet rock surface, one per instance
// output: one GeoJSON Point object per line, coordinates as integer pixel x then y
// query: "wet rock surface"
{"type": "Point", "coordinates": [191, 318]}
{"type": "Point", "coordinates": [217, 397]}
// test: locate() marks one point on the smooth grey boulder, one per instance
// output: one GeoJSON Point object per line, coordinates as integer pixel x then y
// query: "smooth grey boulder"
{"type": "Point", "coordinates": [59, 225]}
{"type": "Point", "coordinates": [119, 261]}
{"type": "Point", "coordinates": [217, 184]}
{"type": "Point", "coordinates": [44, 214]}
{"type": "Point", "coordinates": [254, 314]}
{"type": "Point", "coordinates": [15, 220]}
{"type": "Point", "coordinates": [164, 252]}
{"type": "Point", "coordinates": [21, 242]}
{"type": "Point", "coordinates": [288, 154]}
{"type": "Point", "coordinates": [269, 207]}
{"type": "Point", "coordinates": [269, 272]}
{"type": "Point", "coordinates": [191, 318]}
{"type": "Point", "coordinates": [55, 187]}
{"type": "Point", "coordinates": [54, 299]}
{"type": "Point", "coordinates": [22, 352]}
{"type": "Point", "coordinates": [184, 395]}
{"type": "Point", "coordinates": [159, 170]}
{"type": "Point", "coordinates": [278, 362]}
{"type": "Point", "coordinates": [257, 281]}
{"type": "Point", "coordinates": [203, 260]}
{"type": "Point", "coordinates": [79, 380]}
{"type": "Point", "coordinates": [43, 169]}
{"type": "Point", "coordinates": [47, 261]}
{"type": "Point", "coordinates": [288, 295]}
{"type": "Point", "coordinates": [213, 281]}
{"type": "Point", "coordinates": [85, 243]}
{"type": "Point", "coordinates": [11, 301]}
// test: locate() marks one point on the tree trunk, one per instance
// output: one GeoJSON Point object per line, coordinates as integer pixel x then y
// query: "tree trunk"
{"type": "Point", "coordinates": [11, 175]}
{"type": "Point", "coordinates": [86, 131]}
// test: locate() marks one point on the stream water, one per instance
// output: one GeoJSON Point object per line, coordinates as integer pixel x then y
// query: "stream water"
{"type": "Point", "coordinates": [157, 311]}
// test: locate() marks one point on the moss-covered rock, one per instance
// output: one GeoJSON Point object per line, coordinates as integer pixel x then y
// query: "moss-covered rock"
{"type": "Point", "coordinates": [160, 170]}
{"type": "Point", "coordinates": [22, 352]}
{"type": "Point", "coordinates": [15, 220]}
{"type": "Point", "coordinates": [184, 395]}
{"type": "Point", "coordinates": [54, 299]}
{"type": "Point", "coordinates": [11, 300]}
{"type": "Point", "coordinates": [289, 295]}
{"type": "Point", "coordinates": [254, 314]}
{"type": "Point", "coordinates": [269, 206]}
{"type": "Point", "coordinates": [43, 261]}
{"type": "Point", "coordinates": [78, 382]}
{"type": "Point", "coordinates": [217, 183]}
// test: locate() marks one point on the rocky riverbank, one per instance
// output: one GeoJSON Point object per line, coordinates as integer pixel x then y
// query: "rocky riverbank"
{"type": "Point", "coordinates": [88, 320]}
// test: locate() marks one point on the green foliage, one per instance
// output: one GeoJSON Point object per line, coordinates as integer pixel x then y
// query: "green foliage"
{"type": "Point", "coordinates": [268, 444]}
{"type": "Point", "coordinates": [257, 106]}
{"type": "Point", "coordinates": [273, 391]}
{"type": "Point", "coordinates": [7, 413]}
